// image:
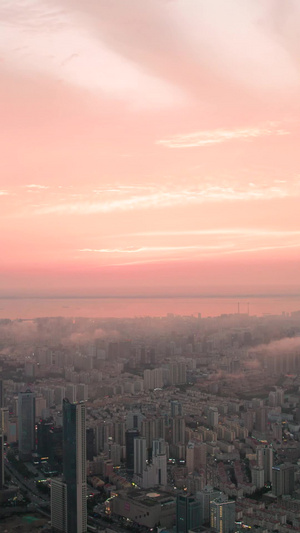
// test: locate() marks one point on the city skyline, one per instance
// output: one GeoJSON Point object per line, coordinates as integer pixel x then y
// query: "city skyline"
{"type": "Point", "coordinates": [149, 147]}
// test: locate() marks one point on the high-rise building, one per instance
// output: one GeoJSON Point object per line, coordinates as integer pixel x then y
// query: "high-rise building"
{"type": "Point", "coordinates": [103, 431]}
{"type": "Point", "coordinates": [119, 433]}
{"type": "Point", "coordinates": [68, 496]}
{"type": "Point", "coordinates": [258, 476]}
{"type": "Point", "coordinates": [222, 515]}
{"type": "Point", "coordinates": [59, 519]}
{"type": "Point", "coordinates": [82, 392]}
{"type": "Point", "coordinates": [71, 392]}
{"type": "Point", "coordinates": [188, 513]}
{"type": "Point", "coordinates": [177, 373]}
{"type": "Point", "coordinates": [43, 441]}
{"type": "Point", "coordinates": [1, 460]}
{"type": "Point", "coordinates": [59, 395]}
{"type": "Point", "coordinates": [1, 394]}
{"type": "Point", "coordinates": [56, 444]}
{"type": "Point", "coordinates": [189, 457]}
{"type": "Point", "coordinates": [261, 419]}
{"type": "Point", "coordinates": [90, 443]}
{"type": "Point", "coordinates": [130, 435]}
{"type": "Point", "coordinates": [158, 447]}
{"type": "Point", "coordinates": [212, 417]}
{"type": "Point", "coordinates": [159, 462]}
{"type": "Point", "coordinates": [178, 430]}
{"type": "Point", "coordinates": [153, 379]}
{"type": "Point", "coordinates": [140, 455]}
{"type": "Point", "coordinates": [26, 423]}
{"type": "Point", "coordinates": [283, 479]}
{"type": "Point", "coordinates": [148, 430]}
{"type": "Point", "coordinates": [134, 420]}
{"type": "Point", "coordinates": [264, 458]}
{"type": "Point", "coordinates": [176, 408]}
{"type": "Point", "coordinates": [4, 419]}
{"type": "Point", "coordinates": [205, 497]}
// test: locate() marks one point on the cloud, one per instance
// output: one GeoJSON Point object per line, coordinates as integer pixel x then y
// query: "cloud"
{"type": "Point", "coordinates": [132, 250]}
{"type": "Point", "coordinates": [36, 186]}
{"type": "Point", "coordinates": [164, 197]}
{"type": "Point", "coordinates": [4, 193]}
{"type": "Point", "coordinates": [207, 138]}
{"type": "Point", "coordinates": [219, 231]}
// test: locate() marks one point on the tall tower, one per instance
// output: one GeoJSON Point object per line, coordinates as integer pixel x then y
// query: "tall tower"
{"type": "Point", "coordinates": [130, 436]}
{"type": "Point", "coordinates": [140, 455]}
{"type": "Point", "coordinates": [213, 417]}
{"type": "Point", "coordinates": [188, 513]}
{"type": "Point", "coordinates": [26, 423]}
{"type": "Point", "coordinates": [1, 394]}
{"type": "Point", "coordinates": [222, 515]}
{"type": "Point", "coordinates": [1, 459]}
{"type": "Point", "coordinates": [68, 496]}
{"type": "Point", "coordinates": [283, 481]}
{"type": "Point", "coordinates": [176, 408]}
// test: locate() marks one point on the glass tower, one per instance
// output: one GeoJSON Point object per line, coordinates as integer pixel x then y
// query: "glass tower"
{"type": "Point", "coordinates": [26, 423]}
{"type": "Point", "coordinates": [74, 465]}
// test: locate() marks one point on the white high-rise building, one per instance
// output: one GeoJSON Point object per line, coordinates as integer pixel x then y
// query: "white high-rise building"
{"type": "Point", "coordinates": [160, 464]}
{"type": "Point", "coordinates": [140, 455]}
{"type": "Point", "coordinates": [59, 505]}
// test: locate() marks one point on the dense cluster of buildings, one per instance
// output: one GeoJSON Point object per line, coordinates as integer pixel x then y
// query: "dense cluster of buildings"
{"type": "Point", "coordinates": [191, 424]}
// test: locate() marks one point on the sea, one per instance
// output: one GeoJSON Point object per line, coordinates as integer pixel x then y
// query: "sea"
{"type": "Point", "coordinates": [123, 307]}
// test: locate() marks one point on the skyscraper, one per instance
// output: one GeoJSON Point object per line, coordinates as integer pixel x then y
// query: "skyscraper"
{"type": "Point", "coordinates": [1, 459]}
{"type": "Point", "coordinates": [212, 417]}
{"type": "Point", "coordinates": [176, 408]}
{"type": "Point", "coordinates": [222, 515]}
{"type": "Point", "coordinates": [140, 455]}
{"type": "Point", "coordinates": [264, 458]}
{"type": "Point", "coordinates": [68, 496]}
{"type": "Point", "coordinates": [283, 479]}
{"type": "Point", "coordinates": [188, 513]}
{"type": "Point", "coordinates": [26, 423]}
{"type": "Point", "coordinates": [178, 430]}
{"type": "Point", "coordinates": [130, 435]}
{"type": "Point", "coordinates": [1, 394]}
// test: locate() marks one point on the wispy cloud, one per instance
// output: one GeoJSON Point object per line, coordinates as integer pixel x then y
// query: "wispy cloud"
{"type": "Point", "coordinates": [163, 198]}
{"type": "Point", "coordinates": [219, 231]}
{"type": "Point", "coordinates": [36, 186]}
{"type": "Point", "coordinates": [4, 193]}
{"type": "Point", "coordinates": [150, 249]}
{"type": "Point", "coordinates": [209, 137]}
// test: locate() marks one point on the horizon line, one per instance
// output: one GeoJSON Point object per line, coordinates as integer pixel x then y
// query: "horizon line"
{"type": "Point", "coordinates": [152, 297]}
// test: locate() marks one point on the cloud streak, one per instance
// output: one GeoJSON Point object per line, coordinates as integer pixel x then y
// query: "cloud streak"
{"type": "Point", "coordinates": [167, 198]}
{"type": "Point", "coordinates": [150, 249]}
{"type": "Point", "coordinates": [208, 138]}
{"type": "Point", "coordinates": [219, 231]}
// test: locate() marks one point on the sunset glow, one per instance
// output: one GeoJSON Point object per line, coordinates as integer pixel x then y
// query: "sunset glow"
{"type": "Point", "coordinates": [149, 147]}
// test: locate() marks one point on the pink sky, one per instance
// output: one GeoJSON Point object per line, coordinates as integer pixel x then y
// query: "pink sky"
{"type": "Point", "coordinates": [149, 146]}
